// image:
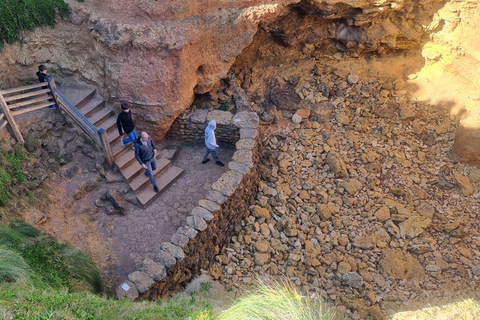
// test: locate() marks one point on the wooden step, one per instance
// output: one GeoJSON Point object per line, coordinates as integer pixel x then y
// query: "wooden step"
{"type": "Point", "coordinates": [109, 124]}
{"type": "Point", "coordinates": [113, 137]}
{"type": "Point", "coordinates": [100, 116]}
{"type": "Point", "coordinates": [139, 181]}
{"type": "Point", "coordinates": [125, 159]}
{"type": "Point", "coordinates": [118, 150]}
{"type": "Point", "coordinates": [147, 194]}
{"type": "Point", "coordinates": [77, 94]}
{"type": "Point", "coordinates": [135, 169]}
{"type": "Point", "coordinates": [92, 106]}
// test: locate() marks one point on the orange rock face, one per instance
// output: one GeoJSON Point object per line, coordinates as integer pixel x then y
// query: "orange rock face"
{"type": "Point", "coordinates": [157, 55]}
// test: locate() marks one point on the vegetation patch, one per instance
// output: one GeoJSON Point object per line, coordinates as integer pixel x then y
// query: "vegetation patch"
{"type": "Point", "coordinates": [35, 258]}
{"type": "Point", "coordinates": [277, 301]}
{"type": "Point", "coordinates": [22, 15]}
{"type": "Point", "coordinates": [20, 175]}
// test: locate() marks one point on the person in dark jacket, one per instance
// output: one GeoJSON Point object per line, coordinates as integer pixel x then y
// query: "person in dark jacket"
{"type": "Point", "coordinates": [42, 74]}
{"type": "Point", "coordinates": [124, 120]}
{"type": "Point", "coordinates": [145, 152]}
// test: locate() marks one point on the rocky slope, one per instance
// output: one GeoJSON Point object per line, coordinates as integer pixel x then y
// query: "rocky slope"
{"type": "Point", "coordinates": [362, 201]}
{"type": "Point", "coordinates": [158, 55]}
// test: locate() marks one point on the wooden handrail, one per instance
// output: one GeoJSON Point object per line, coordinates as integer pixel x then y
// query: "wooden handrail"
{"type": "Point", "coordinates": [64, 106]}
{"type": "Point", "coordinates": [29, 87]}
{"type": "Point", "coordinates": [11, 121]}
{"type": "Point", "coordinates": [26, 95]}
{"type": "Point", "coordinates": [78, 117]}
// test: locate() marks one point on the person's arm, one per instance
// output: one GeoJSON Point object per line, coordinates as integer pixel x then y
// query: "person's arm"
{"type": "Point", "coordinates": [154, 148]}
{"type": "Point", "coordinates": [137, 154]}
{"type": "Point", "coordinates": [119, 125]}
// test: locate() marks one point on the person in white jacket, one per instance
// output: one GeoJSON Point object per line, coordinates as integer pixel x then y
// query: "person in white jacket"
{"type": "Point", "coordinates": [211, 144]}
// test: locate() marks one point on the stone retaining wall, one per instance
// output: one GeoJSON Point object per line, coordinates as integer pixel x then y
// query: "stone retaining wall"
{"type": "Point", "coordinates": [190, 126]}
{"type": "Point", "coordinates": [216, 218]}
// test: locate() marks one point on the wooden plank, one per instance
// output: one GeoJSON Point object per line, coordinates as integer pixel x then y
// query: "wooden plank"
{"type": "Point", "coordinates": [3, 125]}
{"type": "Point", "coordinates": [1, 116]}
{"type": "Point", "coordinates": [11, 121]}
{"type": "Point", "coordinates": [30, 101]}
{"type": "Point", "coordinates": [32, 108]}
{"type": "Point", "coordinates": [29, 87]}
{"type": "Point", "coordinates": [26, 95]}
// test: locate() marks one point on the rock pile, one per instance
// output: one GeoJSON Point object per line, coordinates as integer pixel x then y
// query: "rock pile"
{"type": "Point", "coordinates": [361, 203]}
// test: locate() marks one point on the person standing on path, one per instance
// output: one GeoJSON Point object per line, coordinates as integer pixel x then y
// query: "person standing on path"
{"type": "Point", "coordinates": [145, 152]}
{"type": "Point", "coordinates": [211, 143]}
{"type": "Point", "coordinates": [124, 120]}
{"type": "Point", "coordinates": [42, 74]}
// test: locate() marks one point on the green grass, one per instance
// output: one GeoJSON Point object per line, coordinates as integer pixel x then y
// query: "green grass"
{"type": "Point", "coordinates": [30, 303]}
{"type": "Point", "coordinates": [277, 301]}
{"type": "Point", "coordinates": [22, 15]}
{"type": "Point", "coordinates": [13, 180]}
{"type": "Point", "coordinates": [28, 254]}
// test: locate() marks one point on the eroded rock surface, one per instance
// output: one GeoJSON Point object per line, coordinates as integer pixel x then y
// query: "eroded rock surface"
{"type": "Point", "coordinates": [158, 55]}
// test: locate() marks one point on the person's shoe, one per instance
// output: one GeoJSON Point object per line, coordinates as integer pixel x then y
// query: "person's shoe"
{"type": "Point", "coordinates": [52, 107]}
{"type": "Point", "coordinates": [123, 144]}
{"type": "Point", "coordinates": [133, 148]}
{"type": "Point", "coordinates": [205, 161]}
{"type": "Point", "coordinates": [155, 188]}
{"type": "Point", "coordinates": [220, 163]}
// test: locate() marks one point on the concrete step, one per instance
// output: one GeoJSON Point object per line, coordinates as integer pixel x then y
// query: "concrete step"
{"type": "Point", "coordinates": [140, 181]}
{"type": "Point", "coordinates": [77, 94]}
{"type": "Point", "coordinates": [146, 195]}
{"type": "Point", "coordinates": [134, 169]}
{"type": "Point", "coordinates": [92, 106]}
{"type": "Point", "coordinates": [100, 116]}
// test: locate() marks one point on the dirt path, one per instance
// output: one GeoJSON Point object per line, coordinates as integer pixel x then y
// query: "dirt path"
{"type": "Point", "coordinates": [119, 244]}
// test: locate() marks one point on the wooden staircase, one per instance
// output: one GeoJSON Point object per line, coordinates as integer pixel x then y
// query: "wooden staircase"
{"type": "Point", "coordinates": [102, 116]}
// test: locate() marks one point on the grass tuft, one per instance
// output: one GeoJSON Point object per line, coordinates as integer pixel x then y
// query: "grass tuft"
{"type": "Point", "coordinates": [274, 300]}
{"type": "Point", "coordinates": [12, 267]}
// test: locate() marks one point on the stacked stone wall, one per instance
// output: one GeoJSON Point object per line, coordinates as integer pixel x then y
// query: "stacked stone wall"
{"type": "Point", "coordinates": [212, 223]}
{"type": "Point", "coordinates": [190, 127]}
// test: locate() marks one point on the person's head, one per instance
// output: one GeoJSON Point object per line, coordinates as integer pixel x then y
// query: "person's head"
{"type": "Point", "coordinates": [144, 136]}
{"type": "Point", "coordinates": [212, 124]}
{"type": "Point", "coordinates": [42, 68]}
{"type": "Point", "coordinates": [124, 107]}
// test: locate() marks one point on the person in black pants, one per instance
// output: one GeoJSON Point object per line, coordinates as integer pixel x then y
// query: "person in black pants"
{"type": "Point", "coordinates": [42, 74]}
{"type": "Point", "coordinates": [124, 120]}
{"type": "Point", "coordinates": [145, 152]}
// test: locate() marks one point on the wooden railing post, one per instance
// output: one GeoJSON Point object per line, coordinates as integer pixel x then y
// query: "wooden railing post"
{"type": "Point", "coordinates": [53, 89]}
{"type": "Point", "coordinates": [105, 145]}
{"type": "Point", "coordinates": [11, 121]}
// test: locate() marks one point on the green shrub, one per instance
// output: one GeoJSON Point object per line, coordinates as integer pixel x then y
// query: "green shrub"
{"type": "Point", "coordinates": [19, 15]}
{"type": "Point", "coordinates": [277, 301]}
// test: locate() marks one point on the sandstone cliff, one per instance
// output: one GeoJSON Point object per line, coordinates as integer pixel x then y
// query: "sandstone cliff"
{"type": "Point", "coordinates": [158, 55]}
